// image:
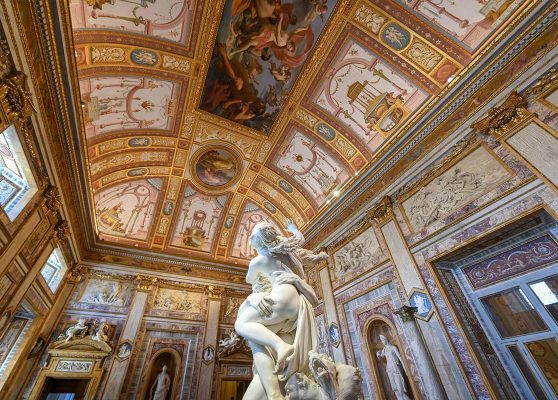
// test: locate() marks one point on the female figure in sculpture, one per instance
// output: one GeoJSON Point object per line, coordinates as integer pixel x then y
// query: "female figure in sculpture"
{"type": "Point", "coordinates": [277, 318]}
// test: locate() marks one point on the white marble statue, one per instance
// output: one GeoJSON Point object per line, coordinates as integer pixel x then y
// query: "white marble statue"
{"type": "Point", "coordinates": [161, 385]}
{"type": "Point", "coordinates": [277, 319]}
{"type": "Point", "coordinates": [394, 369]}
{"type": "Point", "coordinates": [78, 330]}
{"type": "Point", "coordinates": [101, 334]}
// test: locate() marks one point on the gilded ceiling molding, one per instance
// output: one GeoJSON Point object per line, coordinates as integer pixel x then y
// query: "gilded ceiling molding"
{"type": "Point", "coordinates": [545, 82]}
{"type": "Point", "coordinates": [51, 199]}
{"type": "Point", "coordinates": [144, 282]}
{"type": "Point", "coordinates": [76, 273]}
{"type": "Point", "coordinates": [382, 211]}
{"type": "Point", "coordinates": [61, 231]}
{"type": "Point", "coordinates": [505, 118]}
{"type": "Point", "coordinates": [215, 292]}
{"type": "Point", "coordinates": [454, 152]}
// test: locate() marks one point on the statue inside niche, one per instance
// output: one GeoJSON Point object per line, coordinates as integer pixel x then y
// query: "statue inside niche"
{"type": "Point", "coordinates": [161, 385]}
{"type": "Point", "coordinates": [394, 369]}
{"type": "Point", "coordinates": [277, 321]}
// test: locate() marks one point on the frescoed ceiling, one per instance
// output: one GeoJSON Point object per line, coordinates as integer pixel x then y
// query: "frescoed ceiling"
{"type": "Point", "coordinates": [202, 118]}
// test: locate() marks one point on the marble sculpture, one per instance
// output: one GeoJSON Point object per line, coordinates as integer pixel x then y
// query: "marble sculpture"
{"type": "Point", "coordinates": [277, 320]}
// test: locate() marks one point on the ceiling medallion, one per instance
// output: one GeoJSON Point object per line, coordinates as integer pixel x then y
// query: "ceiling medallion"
{"type": "Point", "coordinates": [215, 167]}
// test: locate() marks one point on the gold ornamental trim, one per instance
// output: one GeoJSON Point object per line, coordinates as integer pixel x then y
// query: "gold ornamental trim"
{"type": "Point", "coordinates": [77, 273]}
{"type": "Point", "coordinates": [382, 211]}
{"type": "Point", "coordinates": [503, 119]}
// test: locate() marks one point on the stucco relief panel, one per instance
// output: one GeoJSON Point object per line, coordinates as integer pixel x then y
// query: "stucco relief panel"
{"type": "Point", "coordinates": [470, 178]}
{"type": "Point", "coordinates": [357, 255]}
{"type": "Point", "coordinates": [106, 293]}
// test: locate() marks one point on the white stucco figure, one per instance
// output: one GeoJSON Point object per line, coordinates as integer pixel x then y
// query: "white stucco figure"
{"type": "Point", "coordinates": [394, 369]}
{"type": "Point", "coordinates": [78, 330]}
{"type": "Point", "coordinates": [101, 334]}
{"type": "Point", "coordinates": [277, 319]}
{"type": "Point", "coordinates": [161, 385]}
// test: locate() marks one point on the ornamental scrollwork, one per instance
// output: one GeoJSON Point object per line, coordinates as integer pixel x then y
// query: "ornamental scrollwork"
{"type": "Point", "coordinates": [51, 198]}
{"type": "Point", "coordinates": [61, 231]}
{"type": "Point", "coordinates": [501, 119]}
{"type": "Point", "coordinates": [382, 211]}
{"type": "Point", "coordinates": [145, 282]}
{"type": "Point", "coordinates": [77, 273]}
{"type": "Point", "coordinates": [545, 82]}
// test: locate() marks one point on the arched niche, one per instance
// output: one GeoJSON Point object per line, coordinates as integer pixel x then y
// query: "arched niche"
{"type": "Point", "coordinates": [380, 325]}
{"type": "Point", "coordinates": [170, 358]}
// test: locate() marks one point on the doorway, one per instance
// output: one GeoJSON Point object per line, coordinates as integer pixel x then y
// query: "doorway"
{"type": "Point", "coordinates": [64, 389]}
{"type": "Point", "coordinates": [233, 389]}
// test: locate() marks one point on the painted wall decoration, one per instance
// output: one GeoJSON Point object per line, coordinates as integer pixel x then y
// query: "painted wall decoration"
{"type": "Point", "coordinates": [127, 102]}
{"type": "Point", "coordinates": [366, 94]}
{"type": "Point", "coordinates": [311, 165]}
{"type": "Point", "coordinates": [468, 21]}
{"type": "Point", "coordinates": [216, 167]}
{"type": "Point", "coordinates": [421, 301]}
{"type": "Point", "coordinates": [470, 178]}
{"type": "Point", "coordinates": [124, 350]}
{"type": "Point", "coordinates": [126, 210]}
{"type": "Point", "coordinates": [534, 254]}
{"type": "Point", "coordinates": [260, 49]}
{"type": "Point", "coordinates": [178, 300]}
{"type": "Point", "coordinates": [358, 255]}
{"type": "Point", "coordinates": [250, 217]}
{"type": "Point", "coordinates": [168, 20]}
{"type": "Point", "coordinates": [197, 222]}
{"type": "Point", "coordinates": [106, 292]}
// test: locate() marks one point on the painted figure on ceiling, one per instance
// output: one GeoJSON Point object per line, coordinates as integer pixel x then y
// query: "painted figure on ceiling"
{"type": "Point", "coordinates": [260, 48]}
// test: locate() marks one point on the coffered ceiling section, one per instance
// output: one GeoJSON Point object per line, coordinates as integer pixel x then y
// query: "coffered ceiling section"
{"type": "Point", "coordinates": [202, 118]}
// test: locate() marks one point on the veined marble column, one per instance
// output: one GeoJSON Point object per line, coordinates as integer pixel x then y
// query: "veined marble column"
{"type": "Point", "coordinates": [205, 384]}
{"type": "Point", "coordinates": [425, 366]}
{"type": "Point", "coordinates": [331, 313]}
{"type": "Point", "coordinates": [117, 371]}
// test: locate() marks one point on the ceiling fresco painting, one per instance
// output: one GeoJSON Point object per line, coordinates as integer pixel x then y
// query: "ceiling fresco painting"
{"type": "Point", "coordinates": [311, 166]}
{"type": "Point", "coordinates": [197, 221]}
{"type": "Point", "coordinates": [259, 51]}
{"type": "Point", "coordinates": [202, 118]}
{"type": "Point", "coordinates": [126, 211]}
{"type": "Point", "coordinates": [468, 21]}
{"type": "Point", "coordinates": [168, 20]}
{"type": "Point", "coordinates": [366, 95]}
{"type": "Point", "coordinates": [116, 103]}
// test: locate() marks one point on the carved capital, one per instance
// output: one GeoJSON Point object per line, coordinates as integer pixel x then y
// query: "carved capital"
{"type": "Point", "coordinates": [382, 211]}
{"type": "Point", "coordinates": [77, 273]}
{"type": "Point", "coordinates": [502, 119]}
{"type": "Point", "coordinates": [406, 313]}
{"type": "Point", "coordinates": [51, 198]}
{"type": "Point", "coordinates": [61, 231]}
{"type": "Point", "coordinates": [215, 292]}
{"type": "Point", "coordinates": [145, 282]}
{"type": "Point", "coordinates": [546, 81]}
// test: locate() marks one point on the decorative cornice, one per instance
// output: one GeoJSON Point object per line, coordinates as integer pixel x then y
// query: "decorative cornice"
{"type": "Point", "coordinates": [502, 119]}
{"type": "Point", "coordinates": [61, 231]}
{"type": "Point", "coordinates": [215, 292]}
{"type": "Point", "coordinates": [545, 82]}
{"type": "Point", "coordinates": [51, 199]}
{"type": "Point", "coordinates": [145, 282]}
{"type": "Point", "coordinates": [406, 313]}
{"type": "Point", "coordinates": [76, 273]}
{"type": "Point", "coordinates": [5, 62]}
{"type": "Point", "coordinates": [382, 211]}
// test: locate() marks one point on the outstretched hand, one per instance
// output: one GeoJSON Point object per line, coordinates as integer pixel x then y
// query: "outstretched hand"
{"type": "Point", "coordinates": [290, 225]}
